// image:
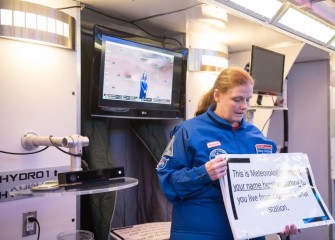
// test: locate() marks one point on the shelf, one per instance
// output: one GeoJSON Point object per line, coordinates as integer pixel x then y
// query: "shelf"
{"type": "Point", "coordinates": [254, 108]}
{"type": "Point", "coordinates": [108, 187]}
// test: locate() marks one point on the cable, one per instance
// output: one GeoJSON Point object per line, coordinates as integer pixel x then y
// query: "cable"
{"type": "Point", "coordinates": [81, 6]}
{"type": "Point", "coordinates": [84, 165]}
{"type": "Point", "coordinates": [269, 117]}
{"type": "Point", "coordinates": [71, 154]}
{"type": "Point", "coordinates": [159, 15]}
{"type": "Point", "coordinates": [136, 25]}
{"type": "Point", "coordinates": [284, 149]}
{"type": "Point", "coordinates": [152, 35]}
{"type": "Point", "coordinates": [267, 120]}
{"type": "Point", "coordinates": [33, 219]}
{"type": "Point", "coordinates": [145, 145]}
{"type": "Point", "coordinates": [52, 142]}
{"type": "Point", "coordinates": [24, 153]}
{"type": "Point", "coordinates": [167, 13]}
{"type": "Point", "coordinates": [106, 15]}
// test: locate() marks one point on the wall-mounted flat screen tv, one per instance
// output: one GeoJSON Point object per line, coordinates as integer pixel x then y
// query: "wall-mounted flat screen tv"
{"type": "Point", "coordinates": [267, 69]}
{"type": "Point", "coordinates": [136, 80]}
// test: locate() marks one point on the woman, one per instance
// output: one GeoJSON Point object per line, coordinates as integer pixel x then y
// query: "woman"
{"type": "Point", "coordinates": [192, 163]}
{"type": "Point", "coordinates": [143, 86]}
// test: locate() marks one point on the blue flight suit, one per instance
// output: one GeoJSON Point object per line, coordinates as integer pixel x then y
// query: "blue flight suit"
{"type": "Point", "coordinates": [198, 209]}
{"type": "Point", "coordinates": [143, 88]}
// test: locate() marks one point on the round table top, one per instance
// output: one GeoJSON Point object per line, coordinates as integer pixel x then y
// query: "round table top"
{"type": "Point", "coordinates": [113, 185]}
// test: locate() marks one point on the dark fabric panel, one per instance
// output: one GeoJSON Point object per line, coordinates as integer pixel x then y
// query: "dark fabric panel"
{"type": "Point", "coordinates": [152, 135]}
{"type": "Point", "coordinates": [145, 202]}
{"type": "Point", "coordinates": [96, 209]}
{"type": "Point", "coordinates": [136, 145]}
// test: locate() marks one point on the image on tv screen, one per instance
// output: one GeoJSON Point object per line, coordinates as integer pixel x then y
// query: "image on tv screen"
{"type": "Point", "coordinates": [136, 74]}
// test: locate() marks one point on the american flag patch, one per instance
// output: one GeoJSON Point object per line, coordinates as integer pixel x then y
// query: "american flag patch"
{"type": "Point", "coordinates": [263, 148]}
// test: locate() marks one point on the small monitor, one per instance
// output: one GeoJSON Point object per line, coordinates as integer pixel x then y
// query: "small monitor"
{"type": "Point", "coordinates": [267, 69]}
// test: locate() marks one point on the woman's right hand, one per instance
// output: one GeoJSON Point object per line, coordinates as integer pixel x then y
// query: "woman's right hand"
{"type": "Point", "coordinates": [217, 167]}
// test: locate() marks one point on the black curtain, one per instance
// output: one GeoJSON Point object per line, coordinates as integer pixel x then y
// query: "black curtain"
{"type": "Point", "coordinates": [133, 144]}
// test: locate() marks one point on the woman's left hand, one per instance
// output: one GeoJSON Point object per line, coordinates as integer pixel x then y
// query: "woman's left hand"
{"type": "Point", "coordinates": [217, 167]}
{"type": "Point", "coordinates": [289, 230]}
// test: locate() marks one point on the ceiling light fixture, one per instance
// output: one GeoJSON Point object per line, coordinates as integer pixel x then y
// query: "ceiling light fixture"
{"type": "Point", "coordinates": [303, 24]}
{"type": "Point", "coordinates": [332, 45]}
{"type": "Point", "coordinates": [262, 9]}
{"type": "Point", "coordinates": [35, 23]}
{"type": "Point", "coordinates": [287, 16]}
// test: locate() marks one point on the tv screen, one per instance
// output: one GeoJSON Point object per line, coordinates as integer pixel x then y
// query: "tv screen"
{"type": "Point", "coordinates": [136, 80]}
{"type": "Point", "coordinates": [267, 69]}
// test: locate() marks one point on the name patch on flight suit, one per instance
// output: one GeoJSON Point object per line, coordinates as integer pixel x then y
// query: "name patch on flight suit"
{"type": "Point", "coordinates": [263, 148]}
{"type": "Point", "coordinates": [213, 144]}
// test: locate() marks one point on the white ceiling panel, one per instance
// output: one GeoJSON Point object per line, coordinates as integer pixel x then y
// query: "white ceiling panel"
{"type": "Point", "coordinates": [161, 16]}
